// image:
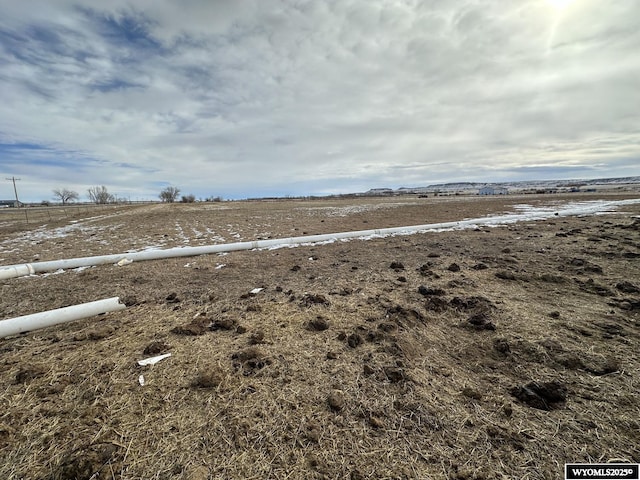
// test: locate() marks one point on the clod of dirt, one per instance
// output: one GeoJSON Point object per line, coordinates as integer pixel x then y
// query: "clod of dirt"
{"type": "Point", "coordinates": [501, 345]}
{"type": "Point", "coordinates": [388, 327]}
{"type": "Point", "coordinates": [394, 374]}
{"type": "Point", "coordinates": [396, 266]}
{"type": "Point", "coordinates": [88, 463]}
{"type": "Point", "coordinates": [604, 367]}
{"type": "Point", "coordinates": [480, 266]}
{"type": "Point", "coordinates": [368, 369]}
{"type": "Point", "coordinates": [30, 373]}
{"type": "Point", "coordinates": [627, 287]}
{"type": "Point", "coordinates": [454, 267]}
{"type": "Point", "coordinates": [354, 340]}
{"type": "Point", "coordinates": [156, 348]}
{"type": "Point", "coordinates": [425, 271]}
{"type": "Point", "coordinates": [471, 393]}
{"type": "Point", "coordinates": [504, 275]}
{"type": "Point", "coordinates": [241, 329]}
{"type": "Point", "coordinates": [250, 360]}
{"type": "Point", "coordinates": [471, 303]}
{"type": "Point", "coordinates": [295, 268]}
{"type": "Point", "coordinates": [172, 298]}
{"type": "Point", "coordinates": [310, 299]}
{"type": "Point", "coordinates": [198, 326]}
{"type": "Point", "coordinates": [332, 355]}
{"type": "Point", "coordinates": [318, 324]}
{"type": "Point", "coordinates": [435, 304]}
{"type": "Point", "coordinates": [402, 279]}
{"type": "Point", "coordinates": [429, 291]}
{"type": "Point", "coordinates": [129, 300]}
{"type": "Point", "coordinates": [481, 321]}
{"type": "Point", "coordinates": [373, 336]}
{"type": "Point", "coordinates": [223, 324]}
{"type": "Point", "coordinates": [569, 360]}
{"type": "Point", "coordinates": [210, 377]}
{"type": "Point", "coordinates": [256, 338]}
{"type": "Point", "coordinates": [398, 313]}
{"type": "Point", "coordinates": [543, 396]}
{"type": "Point", "coordinates": [336, 401]}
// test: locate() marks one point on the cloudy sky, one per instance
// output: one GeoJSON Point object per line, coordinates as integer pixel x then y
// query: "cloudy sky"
{"type": "Point", "coordinates": [245, 98]}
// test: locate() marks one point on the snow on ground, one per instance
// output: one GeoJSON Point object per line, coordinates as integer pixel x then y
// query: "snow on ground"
{"type": "Point", "coordinates": [527, 213]}
{"type": "Point", "coordinates": [42, 233]}
{"type": "Point", "coordinates": [352, 209]}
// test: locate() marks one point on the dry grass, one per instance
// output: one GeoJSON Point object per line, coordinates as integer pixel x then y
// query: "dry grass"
{"type": "Point", "coordinates": [400, 384]}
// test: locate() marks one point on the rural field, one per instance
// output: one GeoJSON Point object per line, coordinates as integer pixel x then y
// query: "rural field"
{"type": "Point", "coordinates": [494, 352]}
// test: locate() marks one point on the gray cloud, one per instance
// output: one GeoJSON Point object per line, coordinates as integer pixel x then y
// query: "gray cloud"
{"type": "Point", "coordinates": [244, 97]}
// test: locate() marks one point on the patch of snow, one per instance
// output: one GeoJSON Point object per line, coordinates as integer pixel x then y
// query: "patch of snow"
{"type": "Point", "coordinates": [353, 209]}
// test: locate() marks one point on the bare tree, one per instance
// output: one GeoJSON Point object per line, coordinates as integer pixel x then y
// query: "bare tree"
{"type": "Point", "coordinates": [100, 195]}
{"type": "Point", "coordinates": [169, 194]}
{"type": "Point", "coordinates": [65, 195]}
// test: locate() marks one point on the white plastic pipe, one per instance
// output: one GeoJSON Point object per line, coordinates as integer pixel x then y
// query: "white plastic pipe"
{"type": "Point", "coordinates": [12, 271]}
{"type": "Point", "coordinates": [26, 323]}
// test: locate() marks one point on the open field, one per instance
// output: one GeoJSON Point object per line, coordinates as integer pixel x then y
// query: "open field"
{"type": "Point", "coordinates": [488, 353]}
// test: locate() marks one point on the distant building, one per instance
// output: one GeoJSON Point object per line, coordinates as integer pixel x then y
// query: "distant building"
{"type": "Point", "coordinates": [10, 203]}
{"type": "Point", "coordinates": [488, 190]}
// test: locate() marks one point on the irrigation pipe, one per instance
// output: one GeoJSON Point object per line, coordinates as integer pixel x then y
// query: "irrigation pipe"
{"type": "Point", "coordinates": [26, 323]}
{"type": "Point", "coordinates": [13, 271]}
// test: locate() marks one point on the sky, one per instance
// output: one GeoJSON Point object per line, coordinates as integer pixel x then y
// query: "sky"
{"type": "Point", "coordinates": [254, 98]}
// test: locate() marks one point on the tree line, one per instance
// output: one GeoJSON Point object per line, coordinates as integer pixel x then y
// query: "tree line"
{"type": "Point", "coordinates": [101, 195]}
{"type": "Point", "coordinates": [98, 194]}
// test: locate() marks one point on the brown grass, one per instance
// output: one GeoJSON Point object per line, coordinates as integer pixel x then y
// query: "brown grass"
{"type": "Point", "coordinates": [400, 385]}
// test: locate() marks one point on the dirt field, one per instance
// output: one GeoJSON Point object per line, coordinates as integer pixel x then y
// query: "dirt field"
{"type": "Point", "coordinates": [488, 353]}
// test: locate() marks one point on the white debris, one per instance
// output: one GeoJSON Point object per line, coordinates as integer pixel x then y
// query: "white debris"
{"type": "Point", "coordinates": [141, 380]}
{"type": "Point", "coordinates": [153, 360]}
{"type": "Point", "coordinates": [256, 290]}
{"type": "Point", "coordinates": [124, 261]}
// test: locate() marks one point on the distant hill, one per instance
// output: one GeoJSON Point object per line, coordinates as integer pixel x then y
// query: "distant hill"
{"type": "Point", "coordinates": [468, 187]}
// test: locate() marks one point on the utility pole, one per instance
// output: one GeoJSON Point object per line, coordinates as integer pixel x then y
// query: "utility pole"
{"type": "Point", "coordinates": [15, 190]}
